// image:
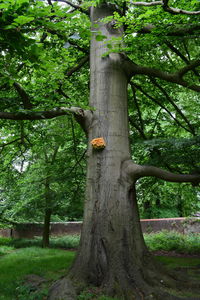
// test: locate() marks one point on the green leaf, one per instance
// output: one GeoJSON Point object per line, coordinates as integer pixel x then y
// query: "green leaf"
{"type": "Point", "coordinates": [100, 38]}
{"type": "Point", "coordinates": [23, 20]}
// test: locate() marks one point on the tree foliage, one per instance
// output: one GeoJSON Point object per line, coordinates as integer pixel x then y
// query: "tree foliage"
{"type": "Point", "coordinates": [152, 46]}
{"type": "Point", "coordinates": [44, 65]}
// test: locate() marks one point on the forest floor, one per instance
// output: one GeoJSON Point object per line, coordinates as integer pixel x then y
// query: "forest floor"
{"type": "Point", "coordinates": [174, 254]}
{"type": "Point", "coordinates": [27, 273]}
{"type": "Point", "coordinates": [27, 270]}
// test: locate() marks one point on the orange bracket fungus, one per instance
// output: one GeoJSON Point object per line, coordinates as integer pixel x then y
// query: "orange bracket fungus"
{"type": "Point", "coordinates": [98, 143]}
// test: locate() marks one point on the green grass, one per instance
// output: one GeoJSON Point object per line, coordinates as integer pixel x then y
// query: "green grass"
{"type": "Point", "coordinates": [6, 249]}
{"type": "Point", "coordinates": [48, 263]}
{"type": "Point", "coordinates": [20, 257]}
{"type": "Point", "coordinates": [175, 262]}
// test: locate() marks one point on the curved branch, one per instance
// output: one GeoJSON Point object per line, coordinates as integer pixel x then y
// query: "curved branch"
{"type": "Point", "coordinates": [135, 69]}
{"type": "Point", "coordinates": [167, 8]}
{"type": "Point", "coordinates": [176, 11]}
{"type": "Point", "coordinates": [136, 171]}
{"type": "Point", "coordinates": [140, 3]}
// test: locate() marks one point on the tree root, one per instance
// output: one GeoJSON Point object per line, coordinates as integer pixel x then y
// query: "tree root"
{"type": "Point", "coordinates": [150, 282]}
{"type": "Point", "coordinates": [62, 289]}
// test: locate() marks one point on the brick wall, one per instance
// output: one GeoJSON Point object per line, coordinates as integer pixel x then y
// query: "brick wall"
{"type": "Point", "coordinates": [29, 230]}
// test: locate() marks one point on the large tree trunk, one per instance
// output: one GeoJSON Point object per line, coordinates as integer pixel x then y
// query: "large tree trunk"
{"type": "Point", "coordinates": [112, 252]}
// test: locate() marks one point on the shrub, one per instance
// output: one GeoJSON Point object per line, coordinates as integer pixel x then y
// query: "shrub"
{"type": "Point", "coordinates": [173, 241]}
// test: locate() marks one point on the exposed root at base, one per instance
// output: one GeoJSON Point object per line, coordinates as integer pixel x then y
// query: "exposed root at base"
{"type": "Point", "coordinates": [153, 282]}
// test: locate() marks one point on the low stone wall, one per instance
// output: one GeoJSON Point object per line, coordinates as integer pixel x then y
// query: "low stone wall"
{"type": "Point", "coordinates": [182, 225]}
{"type": "Point", "coordinates": [30, 230]}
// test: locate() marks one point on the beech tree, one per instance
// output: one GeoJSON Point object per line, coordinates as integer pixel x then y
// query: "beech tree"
{"type": "Point", "coordinates": [112, 253]}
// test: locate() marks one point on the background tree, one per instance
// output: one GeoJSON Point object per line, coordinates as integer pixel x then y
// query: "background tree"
{"type": "Point", "coordinates": [47, 179]}
{"type": "Point", "coordinates": [112, 253]}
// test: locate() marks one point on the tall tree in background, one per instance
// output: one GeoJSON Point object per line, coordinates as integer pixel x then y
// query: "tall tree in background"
{"type": "Point", "coordinates": [112, 252]}
{"type": "Point", "coordinates": [43, 177]}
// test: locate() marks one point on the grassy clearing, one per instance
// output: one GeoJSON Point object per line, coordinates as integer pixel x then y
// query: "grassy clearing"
{"type": "Point", "coordinates": [21, 257]}
{"type": "Point", "coordinates": [48, 263]}
{"type": "Point", "coordinates": [176, 262]}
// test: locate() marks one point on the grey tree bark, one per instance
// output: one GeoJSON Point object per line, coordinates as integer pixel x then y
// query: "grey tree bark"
{"type": "Point", "coordinates": [112, 252]}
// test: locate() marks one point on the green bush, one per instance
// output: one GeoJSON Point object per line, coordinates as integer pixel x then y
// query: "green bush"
{"type": "Point", "coordinates": [163, 240]}
{"type": "Point", "coordinates": [23, 243]}
{"type": "Point", "coordinates": [173, 241]}
{"type": "Point", "coordinates": [65, 242]}
{"type": "Point", "coordinates": [5, 241]}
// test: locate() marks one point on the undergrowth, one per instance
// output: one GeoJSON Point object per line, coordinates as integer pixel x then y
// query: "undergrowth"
{"type": "Point", "coordinates": [173, 241]}
{"type": "Point", "coordinates": [163, 240]}
{"type": "Point", "coordinates": [64, 242]}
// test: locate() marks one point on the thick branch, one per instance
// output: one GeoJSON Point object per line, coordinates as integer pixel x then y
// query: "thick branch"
{"type": "Point", "coordinates": [137, 171]}
{"type": "Point", "coordinates": [140, 3]}
{"type": "Point", "coordinates": [83, 117]}
{"type": "Point", "coordinates": [167, 8]}
{"type": "Point", "coordinates": [31, 115]}
{"type": "Point", "coordinates": [134, 69]}
{"type": "Point", "coordinates": [41, 115]}
{"type": "Point", "coordinates": [176, 11]}
{"type": "Point", "coordinates": [173, 30]}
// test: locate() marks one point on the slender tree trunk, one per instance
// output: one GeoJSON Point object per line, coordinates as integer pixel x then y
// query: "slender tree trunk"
{"type": "Point", "coordinates": [46, 228]}
{"type": "Point", "coordinates": [47, 216]}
